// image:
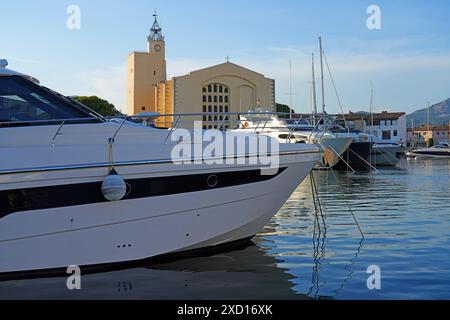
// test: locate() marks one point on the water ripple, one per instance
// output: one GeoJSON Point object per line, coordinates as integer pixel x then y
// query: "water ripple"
{"type": "Point", "coordinates": [405, 215]}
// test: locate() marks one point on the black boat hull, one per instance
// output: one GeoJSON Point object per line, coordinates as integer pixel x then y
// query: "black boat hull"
{"type": "Point", "coordinates": [357, 156]}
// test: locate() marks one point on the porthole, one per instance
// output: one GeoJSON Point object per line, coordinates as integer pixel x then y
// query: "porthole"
{"type": "Point", "coordinates": [212, 181]}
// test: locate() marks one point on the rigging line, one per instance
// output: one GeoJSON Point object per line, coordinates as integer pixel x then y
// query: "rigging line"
{"type": "Point", "coordinates": [111, 155]}
{"type": "Point", "coordinates": [320, 242]}
{"type": "Point", "coordinates": [318, 201]}
{"type": "Point", "coordinates": [324, 238]}
{"type": "Point", "coordinates": [365, 161]}
{"type": "Point", "coordinates": [346, 163]}
{"type": "Point", "coordinates": [350, 269]}
{"type": "Point", "coordinates": [348, 204]}
{"type": "Point", "coordinates": [316, 245]}
{"type": "Point", "coordinates": [335, 89]}
{"type": "Point", "coordinates": [316, 211]}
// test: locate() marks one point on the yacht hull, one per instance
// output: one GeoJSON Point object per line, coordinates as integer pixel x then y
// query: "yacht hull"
{"type": "Point", "coordinates": [129, 230]}
{"type": "Point", "coordinates": [335, 148]}
{"type": "Point", "coordinates": [431, 155]}
{"type": "Point", "coordinates": [357, 156]}
{"type": "Point", "coordinates": [387, 155]}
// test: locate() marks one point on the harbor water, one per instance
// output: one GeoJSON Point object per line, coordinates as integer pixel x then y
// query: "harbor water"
{"type": "Point", "coordinates": [404, 215]}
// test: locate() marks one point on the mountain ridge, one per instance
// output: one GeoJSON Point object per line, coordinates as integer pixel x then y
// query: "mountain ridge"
{"type": "Point", "coordinates": [439, 115]}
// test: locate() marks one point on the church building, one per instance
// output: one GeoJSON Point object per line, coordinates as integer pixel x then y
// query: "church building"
{"type": "Point", "coordinates": [226, 87]}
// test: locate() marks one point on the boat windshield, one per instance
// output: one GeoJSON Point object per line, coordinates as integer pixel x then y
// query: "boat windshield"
{"type": "Point", "coordinates": [24, 103]}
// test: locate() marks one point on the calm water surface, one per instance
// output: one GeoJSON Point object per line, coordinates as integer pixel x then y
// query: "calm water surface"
{"type": "Point", "coordinates": [405, 217]}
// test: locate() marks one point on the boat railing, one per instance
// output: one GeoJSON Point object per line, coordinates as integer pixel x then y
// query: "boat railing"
{"type": "Point", "coordinates": [171, 122]}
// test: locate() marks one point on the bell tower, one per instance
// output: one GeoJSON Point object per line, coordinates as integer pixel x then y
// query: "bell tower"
{"type": "Point", "coordinates": [155, 40]}
{"type": "Point", "coordinates": [146, 70]}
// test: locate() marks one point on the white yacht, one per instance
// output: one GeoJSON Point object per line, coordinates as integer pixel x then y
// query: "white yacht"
{"type": "Point", "coordinates": [76, 189]}
{"type": "Point", "coordinates": [298, 131]}
{"type": "Point", "coordinates": [442, 150]}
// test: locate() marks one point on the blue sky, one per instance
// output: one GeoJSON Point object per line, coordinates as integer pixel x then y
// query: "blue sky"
{"type": "Point", "coordinates": [408, 60]}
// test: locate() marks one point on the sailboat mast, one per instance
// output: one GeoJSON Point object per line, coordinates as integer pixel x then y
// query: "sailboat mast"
{"type": "Point", "coordinates": [314, 91]}
{"type": "Point", "coordinates": [371, 109]}
{"type": "Point", "coordinates": [322, 78]}
{"type": "Point", "coordinates": [290, 89]}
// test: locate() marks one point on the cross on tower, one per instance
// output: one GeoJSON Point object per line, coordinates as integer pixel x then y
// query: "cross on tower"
{"type": "Point", "coordinates": [228, 58]}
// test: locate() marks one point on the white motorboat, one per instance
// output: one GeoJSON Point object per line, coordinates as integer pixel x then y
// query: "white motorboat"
{"type": "Point", "coordinates": [60, 163]}
{"type": "Point", "coordinates": [297, 131]}
{"type": "Point", "coordinates": [441, 150]}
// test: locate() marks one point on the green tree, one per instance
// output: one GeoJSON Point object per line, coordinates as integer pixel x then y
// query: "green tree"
{"type": "Point", "coordinates": [100, 106]}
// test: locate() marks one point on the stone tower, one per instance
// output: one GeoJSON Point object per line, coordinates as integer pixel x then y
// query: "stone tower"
{"type": "Point", "coordinates": [145, 71]}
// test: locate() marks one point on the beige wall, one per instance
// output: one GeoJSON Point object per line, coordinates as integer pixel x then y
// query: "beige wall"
{"type": "Point", "coordinates": [247, 89]}
{"type": "Point", "coordinates": [438, 136]}
{"type": "Point", "coordinates": [164, 100]}
{"type": "Point", "coordinates": [145, 71]}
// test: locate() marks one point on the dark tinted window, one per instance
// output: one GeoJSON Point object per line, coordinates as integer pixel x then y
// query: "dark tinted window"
{"type": "Point", "coordinates": [22, 100]}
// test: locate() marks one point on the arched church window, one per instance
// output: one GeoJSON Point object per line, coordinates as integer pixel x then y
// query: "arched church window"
{"type": "Point", "coordinates": [218, 94]}
{"type": "Point", "coordinates": [215, 118]}
{"type": "Point", "coordinates": [204, 109]}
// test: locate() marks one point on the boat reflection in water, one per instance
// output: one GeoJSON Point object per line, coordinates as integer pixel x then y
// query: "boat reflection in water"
{"type": "Point", "coordinates": [245, 273]}
{"type": "Point", "coordinates": [321, 251]}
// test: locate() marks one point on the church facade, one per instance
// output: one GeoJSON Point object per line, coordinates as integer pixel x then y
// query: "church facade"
{"type": "Point", "coordinates": [223, 88]}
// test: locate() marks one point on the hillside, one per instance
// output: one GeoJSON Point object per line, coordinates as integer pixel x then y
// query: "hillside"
{"type": "Point", "coordinates": [439, 115]}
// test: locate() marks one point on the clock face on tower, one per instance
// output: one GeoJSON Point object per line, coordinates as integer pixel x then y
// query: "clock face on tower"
{"type": "Point", "coordinates": [157, 48]}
